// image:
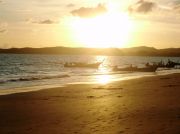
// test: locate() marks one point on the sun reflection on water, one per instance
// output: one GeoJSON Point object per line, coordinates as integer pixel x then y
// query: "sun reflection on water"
{"type": "Point", "coordinates": [103, 71]}
{"type": "Point", "coordinates": [103, 79]}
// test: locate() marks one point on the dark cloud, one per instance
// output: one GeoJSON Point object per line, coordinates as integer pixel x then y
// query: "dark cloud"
{"type": "Point", "coordinates": [142, 6]}
{"type": "Point", "coordinates": [3, 30]}
{"type": "Point", "coordinates": [145, 7]}
{"type": "Point", "coordinates": [86, 12]}
{"type": "Point", "coordinates": [70, 5]}
{"type": "Point", "coordinates": [177, 6]}
{"type": "Point", "coordinates": [177, 2]}
{"type": "Point", "coordinates": [47, 21]}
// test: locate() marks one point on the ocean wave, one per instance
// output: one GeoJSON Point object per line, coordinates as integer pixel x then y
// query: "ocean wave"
{"type": "Point", "coordinates": [2, 81]}
{"type": "Point", "coordinates": [32, 78]}
{"type": "Point", "coordinates": [107, 73]}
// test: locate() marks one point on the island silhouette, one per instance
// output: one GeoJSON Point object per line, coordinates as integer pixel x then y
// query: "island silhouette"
{"type": "Point", "coordinates": [134, 51]}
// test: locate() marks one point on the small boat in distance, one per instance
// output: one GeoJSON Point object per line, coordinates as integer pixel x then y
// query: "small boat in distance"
{"type": "Point", "coordinates": [169, 64]}
{"type": "Point", "coordinates": [82, 65]}
{"type": "Point", "coordinates": [150, 68]}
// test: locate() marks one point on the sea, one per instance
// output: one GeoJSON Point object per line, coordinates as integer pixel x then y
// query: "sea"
{"type": "Point", "coordinates": [30, 72]}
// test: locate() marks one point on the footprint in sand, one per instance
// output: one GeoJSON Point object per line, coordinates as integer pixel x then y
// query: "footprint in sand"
{"type": "Point", "coordinates": [98, 88]}
{"type": "Point", "coordinates": [115, 88]}
{"type": "Point", "coordinates": [120, 132]}
{"type": "Point", "coordinates": [90, 97]}
{"type": "Point", "coordinates": [170, 85]}
{"type": "Point", "coordinates": [166, 78]}
{"type": "Point", "coordinates": [178, 116]}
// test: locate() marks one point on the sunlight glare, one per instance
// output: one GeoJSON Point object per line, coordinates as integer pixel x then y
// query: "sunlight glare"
{"type": "Point", "coordinates": [103, 79]}
{"type": "Point", "coordinates": [108, 30]}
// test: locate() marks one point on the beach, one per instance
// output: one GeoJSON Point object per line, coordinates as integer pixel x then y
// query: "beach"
{"type": "Point", "coordinates": [89, 67]}
{"type": "Point", "coordinates": [148, 105]}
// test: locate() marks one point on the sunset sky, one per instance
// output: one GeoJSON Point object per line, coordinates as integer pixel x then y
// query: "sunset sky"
{"type": "Point", "coordinates": [89, 23]}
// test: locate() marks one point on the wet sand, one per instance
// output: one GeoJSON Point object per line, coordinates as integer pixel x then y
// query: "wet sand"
{"type": "Point", "coordinates": [148, 105]}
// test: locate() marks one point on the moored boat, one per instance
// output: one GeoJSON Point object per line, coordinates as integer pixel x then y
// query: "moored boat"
{"type": "Point", "coordinates": [82, 65]}
{"type": "Point", "coordinates": [169, 64]}
{"type": "Point", "coordinates": [136, 69]}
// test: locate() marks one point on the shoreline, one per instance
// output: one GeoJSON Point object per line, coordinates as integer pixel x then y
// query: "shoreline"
{"type": "Point", "coordinates": [50, 86]}
{"type": "Point", "coordinates": [146, 105]}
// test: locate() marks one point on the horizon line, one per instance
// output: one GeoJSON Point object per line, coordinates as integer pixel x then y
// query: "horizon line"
{"type": "Point", "coordinates": [93, 47]}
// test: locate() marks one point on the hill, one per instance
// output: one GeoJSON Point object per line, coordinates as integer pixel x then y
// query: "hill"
{"type": "Point", "coordinates": [135, 51]}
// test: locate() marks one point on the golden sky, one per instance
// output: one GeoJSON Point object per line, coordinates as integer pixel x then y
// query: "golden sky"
{"type": "Point", "coordinates": [89, 23]}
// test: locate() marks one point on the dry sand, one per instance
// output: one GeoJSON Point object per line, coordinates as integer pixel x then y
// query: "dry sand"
{"type": "Point", "coordinates": [141, 106]}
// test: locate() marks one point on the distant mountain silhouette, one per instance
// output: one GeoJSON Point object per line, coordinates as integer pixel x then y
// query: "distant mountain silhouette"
{"type": "Point", "coordinates": [135, 51]}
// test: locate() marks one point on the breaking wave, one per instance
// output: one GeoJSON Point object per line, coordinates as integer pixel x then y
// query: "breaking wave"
{"type": "Point", "coordinates": [32, 78]}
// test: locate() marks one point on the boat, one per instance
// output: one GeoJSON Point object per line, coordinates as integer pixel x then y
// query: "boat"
{"type": "Point", "coordinates": [150, 68]}
{"type": "Point", "coordinates": [82, 65]}
{"type": "Point", "coordinates": [170, 64]}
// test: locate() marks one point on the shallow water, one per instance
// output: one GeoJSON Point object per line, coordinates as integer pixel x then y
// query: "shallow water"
{"type": "Point", "coordinates": [21, 73]}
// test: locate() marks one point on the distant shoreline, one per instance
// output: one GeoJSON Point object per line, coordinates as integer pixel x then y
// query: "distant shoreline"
{"type": "Point", "coordinates": [134, 51]}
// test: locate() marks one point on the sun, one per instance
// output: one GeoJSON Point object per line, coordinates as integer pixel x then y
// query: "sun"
{"type": "Point", "coordinates": [111, 29]}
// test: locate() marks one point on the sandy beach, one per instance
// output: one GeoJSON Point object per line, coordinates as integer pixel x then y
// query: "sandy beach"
{"type": "Point", "coordinates": [148, 105]}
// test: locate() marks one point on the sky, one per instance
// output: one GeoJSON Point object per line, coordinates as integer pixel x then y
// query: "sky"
{"type": "Point", "coordinates": [90, 23]}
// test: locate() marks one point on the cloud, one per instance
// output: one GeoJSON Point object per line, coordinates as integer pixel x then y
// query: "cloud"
{"type": "Point", "coordinates": [145, 6]}
{"type": "Point", "coordinates": [47, 3]}
{"type": "Point", "coordinates": [85, 12]}
{"type": "Point", "coordinates": [3, 27]}
{"type": "Point", "coordinates": [177, 2]}
{"type": "Point", "coordinates": [70, 5]}
{"type": "Point", "coordinates": [177, 6]}
{"type": "Point", "coordinates": [47, 21]}
{"type": "Point", "coordinates": [3, 30]}
{"type": "Point", "coordinates": [142, 6]}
